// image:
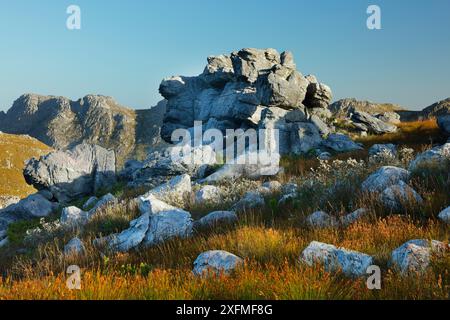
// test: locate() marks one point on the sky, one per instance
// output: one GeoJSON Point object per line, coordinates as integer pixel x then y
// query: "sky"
{"type": "Point", "coordinates": [125, 48]}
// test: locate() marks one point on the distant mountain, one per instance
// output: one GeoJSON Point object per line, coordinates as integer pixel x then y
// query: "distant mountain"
{"type": "Point", "coordinates": [14, 151]}
{"type": "Point", "coordinates": [60, 122]}
{"type": "Point", "coordinates": [435, 110]}
{"type": "Point", "coordinates": [341, 107]}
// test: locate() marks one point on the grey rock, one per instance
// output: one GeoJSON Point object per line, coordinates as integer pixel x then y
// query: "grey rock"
{"type": "Point", "coordinates": [103, 202]}
{"type": "Point", "coordinates": [320, 124]}
{"type": "Point", "coordinates": [341, 109]}
{"type": "Point", "coordinates": [373, 124]}
{"type": "Point", "coordinates": [414, 256]}
{"type": "Point", "coordinates": [216, 262]}
{"type": "Point", "coordinates": [74, 216]}
{"type": "Point", "coordinates": [151, 205]}
{"type": "Point", "coordinates": [389, 117]}
{"type": "Point", "coordinates": [384, 178]}
{"type": "Point", "coordinates": [208, 194]}
{"type": "Point", "coordinates": [90, 203]}
{"type": "Point", "coordinates": [438, 157]}
{"type": "Point", "coordinates": [340, 143]}
{"type": "Point", "coordinates": [174, 189]}
{"type": "Point", "coordinates": [216, 218]}
{"type": "Point", "coordinates": [320, 219]}
{"type": "Point", "coordinates": [71, 174]}
{"type": "Point", "coordinates": [131, 237]}
{"type": "Point", "coordinates": [444, 215]}
{"type": "Point", "coordinates": [74, 247]}
{"type": "Point", "coordinates": [396, 196]}
{"type": "Point", "coordinates": [351, 263]}
{"type": "Point", "coordinates": [251, 200]}
{"type": "Point", "coordinates": [304, 138]}
{"type": "Point", "coordinates": [444, 123]}
{"type": "Point", "coordinates": [318, 95]}
{"type": "Point", "coordinates": [383, 150]}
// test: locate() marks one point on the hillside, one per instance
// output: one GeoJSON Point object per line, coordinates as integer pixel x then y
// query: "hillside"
{"type": "Point", "coordinates": [60, 122]}
{"type": "Point", "coordinates": [14, 150]}
{"type": "Point", "coordinates": [341, 107]}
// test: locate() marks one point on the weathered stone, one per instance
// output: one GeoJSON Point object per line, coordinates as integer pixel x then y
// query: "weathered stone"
{"type": "Point", "coordinates": [340, 143]}
{"type": "Point", "coordinates": [216, 218]}
{"type": "Point", "coordinates": [174, 190]}
{"type": "Point", "coordinates": [216, 262]}
{"type": "Point", "coordinates": [397, 196]}
{"type": "Point", "coordinates": [353, 217]}
{"type": "Point", "coordinates": [438, 157]}
{"type": "Point", "coordinates": [372, 123]}
{"type": "Point", "coordinates": [320, 219]}
{"type": "Point", "coordinates": [131, 237]}
{"type": "Point", "coordinates": [251, 200]}
{"type": "Point", "coordinates": [384, 178]}
{"type": "Point", "coordinates": [444, 215]}
{"type": "Point", "coordinates": [334, 259]}
{"type": "Point", "coordinates": [383, 150]}
{"type": "Point", "coordinates": [208, 194]}
{"type": "Point", "coordinates": [74, 247]}
{"type": "Point", "coordinates": [444, 123]}
{"type": "Point", "coordinates": [72, 174]}
{"type": "Point", "coordinates": [389, 117]}
{"type": "Point", "coordinates": [414, 256]}
{"type": "Point", "coordinates": [90, 203]}
{"type": "Point", "coordinates": [304, 138]}
{"type": "Point", "coordinates": [74, 216]}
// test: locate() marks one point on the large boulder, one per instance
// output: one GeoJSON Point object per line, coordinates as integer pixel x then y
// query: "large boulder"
{"type": "Point", "coordinates": [216, 262]}
{"type": "Point", "coordinates": [334, 259]}
{"type": "Point", "coordinates": [438, 157]}
{"type": "Point", "coordinates": [339, 142]}
{"type": "Point", "coordinates": [71, 174]}
{"type": "Point", "coordinates": [384, 178]}
{"type": "Point", "coordinates": [415, 256]}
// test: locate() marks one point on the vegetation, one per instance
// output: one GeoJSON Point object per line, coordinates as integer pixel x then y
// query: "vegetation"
{"type": "Point", "coordinates": [270, 240]}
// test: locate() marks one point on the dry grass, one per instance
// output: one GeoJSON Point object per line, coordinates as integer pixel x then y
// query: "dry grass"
{"type": "Point", "coordinates": [14, 151]}
{"type": "Point", "coordinates": [270, 240]}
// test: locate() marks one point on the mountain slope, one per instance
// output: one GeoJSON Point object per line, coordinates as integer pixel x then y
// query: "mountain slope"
{"type": "Point", "coordinates": [60, 122]}
{"type": "Point", "coordinates": [14, 151]}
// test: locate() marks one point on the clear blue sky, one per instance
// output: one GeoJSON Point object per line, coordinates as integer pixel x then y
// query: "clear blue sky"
{"type": "Point", "coordinates": [125, 48]}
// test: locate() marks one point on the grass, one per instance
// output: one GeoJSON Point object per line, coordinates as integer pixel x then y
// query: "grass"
{"type": "Point", "coordinates": [270, 240]}
{"type": "Point", "coordinates": [14, 151]}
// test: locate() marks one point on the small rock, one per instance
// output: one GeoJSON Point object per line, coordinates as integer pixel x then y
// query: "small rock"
{"type": "Point", "coordinates": [445, 215]}
{"type": "Point", "coordinates": [320, 219]}
{"type": "Point", "coordinates": [351, 263]}
{"type": "Point", "coordinates": [216, 262]}
{"type": "Point", "coordinates": [383, 150]}
{"type": "Point", "coordinates": [384, 178]}
{"type": "Point", "coordinates": [216, 218]}
{"type": "Point", "coordinates": [74, 247]}
{"type": "Point", "coordinates": [397, 195]}
{"type": "Point", "coordinates": [208, 194]}
{"type": "Point", "coordinates": [250, 200]}
{"type": "Point", "coordinates": [74, 216]}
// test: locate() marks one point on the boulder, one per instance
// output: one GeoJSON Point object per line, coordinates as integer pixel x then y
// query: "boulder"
{"type": "Point", "coordinates": [341, 143]}
{"type": "Point", "coordinates": [320, 219]}
{"type": "Point", "coordinates": [389, 117]}
{"type": "Point", "coordinates": [270, 187]}
{"type": "Point", "coordinates": [216, 218]}
{"type": "Point", "coordinates": [90, 203]}
{"type": "Point", "coordinates": [304, 137]}
{"type": "Point", "coordinates": [74, 247]}
{"type": "Point", "coordinates": [251, 200]}
{"type": "Point", "coordinates": [334, 259]}
{"type": "Point", "coordinates": [166, 225]}
{"type": "Point", "coordinates": [173, 190]}
{"type": "Point", "coordinates": [395, 197]}
{"type": "Point", "coordinates": [414, 256]}
{"type": "Point", "coordinates": [74, 216]}
{"type": "Point", "coordinates": [438, 157]}
{"type": "Point", "coordinates": [444, 215]}
{"type": "Point", "coordinates": [131, 237]}
{"type": "Point", "coordinates": [105, 201]}
{"type": "Point", "coordinates": [383, 150]}
{"type": "Point", "coordinates": [68, 175]}
{"type": "Point", "coordinates": [151, 205]}
{"type": "Point", "coordinates": [208, 194]}
{"type": "Point", "coordinates": [444, 123]}
{"type": "Point", "coordinates": [384, 178]}
{"type": "Point", "coordinates": [372, 124]}
{"type": "Point", "coordinates": [216, 262]}
{"type": "Point", "coordinates": [33, 206]}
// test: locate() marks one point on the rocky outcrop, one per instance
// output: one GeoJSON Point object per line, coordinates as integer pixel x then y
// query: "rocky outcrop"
{"type": "Point", "coordinates": [243, 90]}
{"type": "Point", "coordinates": [72, 174]}
{"type": "Point", "coordinates": [62, 123]}
{"type": "Point", "coordinates": [342, 108]}
{"type": "Point", "coordinates": [368, 123]}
